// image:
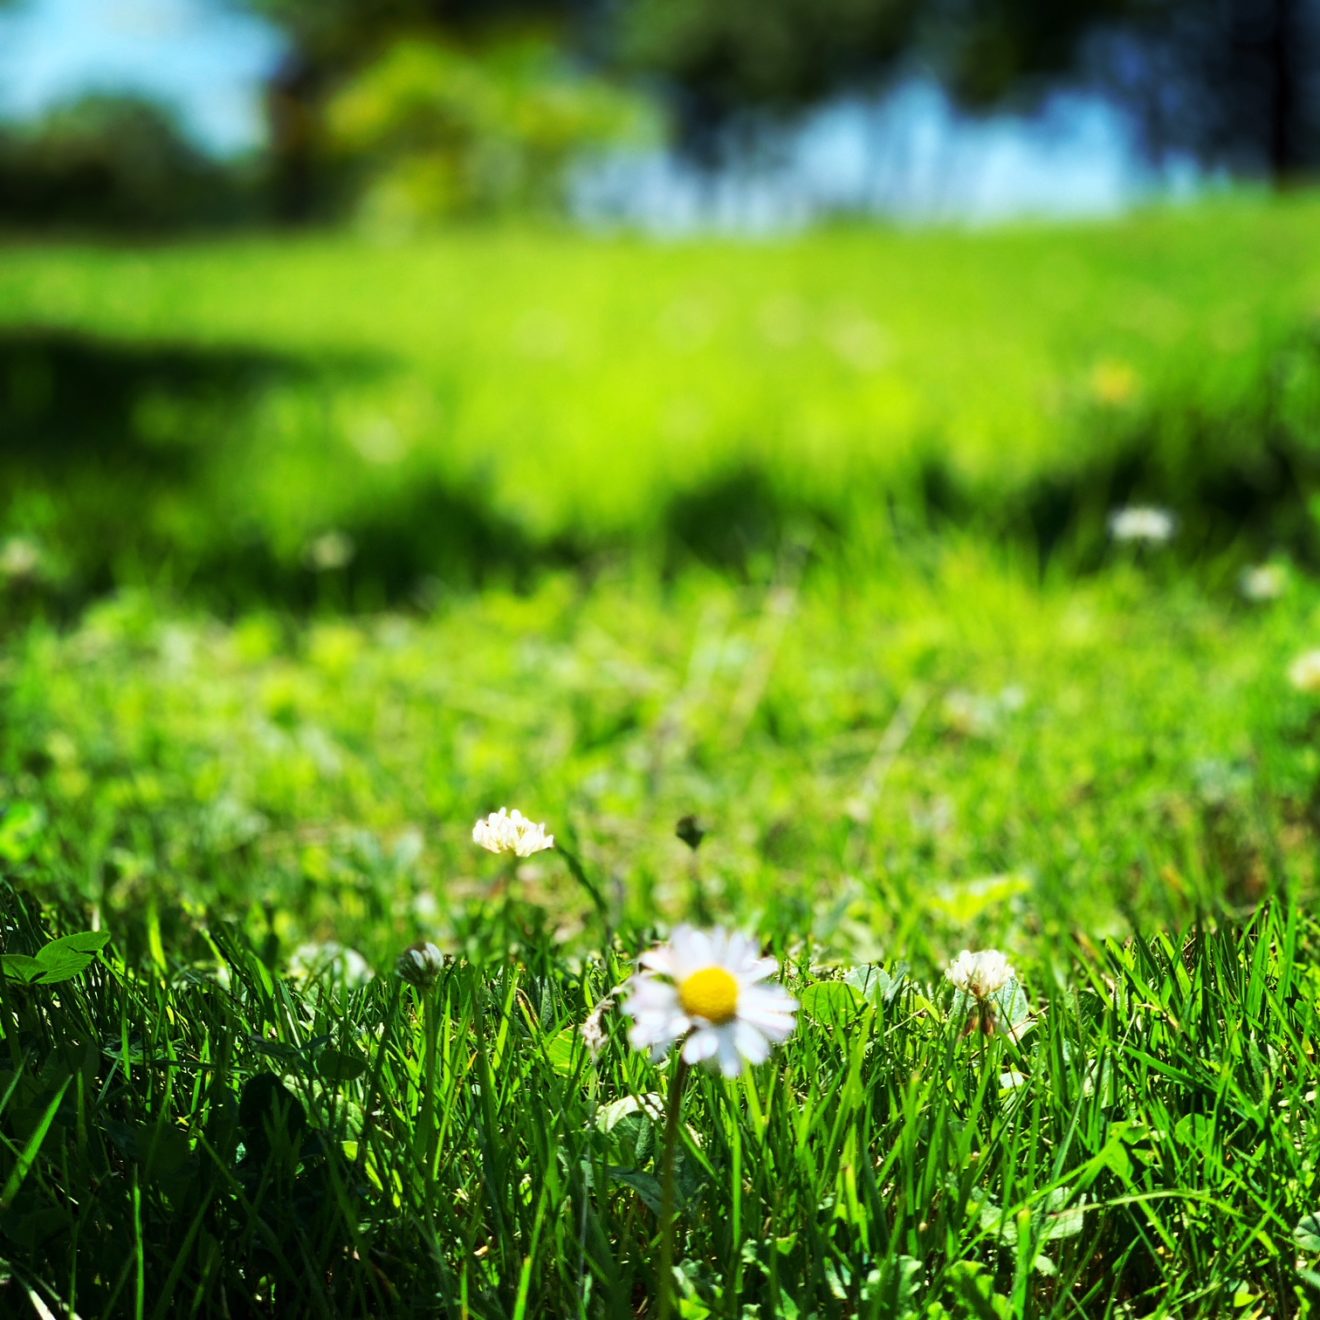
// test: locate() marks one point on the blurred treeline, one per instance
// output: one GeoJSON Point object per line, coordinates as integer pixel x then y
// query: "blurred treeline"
{"type": "Point", "coordinates": [405, 112]}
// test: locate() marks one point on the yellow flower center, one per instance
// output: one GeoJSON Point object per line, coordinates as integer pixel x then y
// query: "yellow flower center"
{"type": "Point", "coordinates": [711, 993]}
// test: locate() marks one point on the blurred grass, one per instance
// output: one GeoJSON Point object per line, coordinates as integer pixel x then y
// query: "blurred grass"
{"type": "Point", "coordinates": [949, 755]}
{"type": "Point", "coordinates": [477, 406]}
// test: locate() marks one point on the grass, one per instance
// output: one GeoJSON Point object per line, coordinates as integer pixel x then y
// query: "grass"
{"type": "Point", "coordinates": [1103, 1163]}
{"type": "Point", "coordinates": [855, 610]}
{"type": "Point", "coordinates": [474, 408]}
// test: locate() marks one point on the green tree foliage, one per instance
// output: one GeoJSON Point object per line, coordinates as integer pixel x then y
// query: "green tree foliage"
{"type": "Point", "coordinates": [434, 129]}
{"type": "Point", "coordinates": [331, 41]}
{"type": "Point", "coordinates": [718, 60]}
{"type": "Point", "coordinates": [1228, 81]}
{"type": "Point", "coordinates": [109, 162]}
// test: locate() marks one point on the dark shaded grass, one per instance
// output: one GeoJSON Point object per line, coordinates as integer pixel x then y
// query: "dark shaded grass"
{"type": "Point", "coordinates": [130, 458]}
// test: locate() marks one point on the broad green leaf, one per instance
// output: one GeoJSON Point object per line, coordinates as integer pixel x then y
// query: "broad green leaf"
{"type": "Point", "coordinates": [339, 1065]}
{"type": "Point", "coordinates": [877, 984]}
{"type": "Point", "coordinates": [88, 941]}
{"type": "Point", "coordinates": [20, 967]}
{"type": "Point", "coordinates": [646, 1185]}
{"type": "Point", "coordinates": [562, 1051]}
{"type": "Point", "coordinates": [832, 1003]}
{"type": "Point", "coordinates": [1307, 1233]}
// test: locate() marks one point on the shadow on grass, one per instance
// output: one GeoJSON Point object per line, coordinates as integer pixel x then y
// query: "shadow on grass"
{"type": "Point", "coordinates": [132, 462]}
{"type": "Point", "coordinates": [97, 436]}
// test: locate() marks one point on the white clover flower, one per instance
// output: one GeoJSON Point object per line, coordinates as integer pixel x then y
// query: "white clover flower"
{"type": "Point", "coordinates": [421, 964]}
{"type": "Point", "coordinates": [1141, 522]}
{"type": "Point", "coordinates": [510, 832]}
{"type": "Point", "coordinates": [329, 551]}
{"type": "Point", "coordinates": [704, 989]}
{"type": "Point", "coordinates": [980, 974]}
{"type": "Point", "coordinates": [1263, 582]}
{"type": "Point", "coordinates": [19, 557]}
{"type": "Point", "coordinates": [330, 960]}
{"type": "Point", "coordinates": [1304, 673]}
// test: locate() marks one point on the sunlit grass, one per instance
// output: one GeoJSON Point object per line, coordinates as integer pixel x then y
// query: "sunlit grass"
{"type": "Point", "coordinates": [799, 614]}
{"type": "Point", "coordinates": [482, 402]}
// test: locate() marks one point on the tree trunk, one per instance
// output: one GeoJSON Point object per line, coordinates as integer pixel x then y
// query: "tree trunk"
{"type": "Point", "coordinates": [1285, 148]}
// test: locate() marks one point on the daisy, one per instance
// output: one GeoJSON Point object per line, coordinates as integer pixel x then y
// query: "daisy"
{"type": "Point", "coordinates": [705, 989]}
{"type": "Point", "coordinates": [510, 832]}
{"type": "Point", "coordinates": [1140, 522]}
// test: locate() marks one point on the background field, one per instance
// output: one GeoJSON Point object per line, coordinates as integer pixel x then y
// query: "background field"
{"type": "Point", "coordinates": [472, 407]}
{"type": "Point", "coordinates": [316, 551]}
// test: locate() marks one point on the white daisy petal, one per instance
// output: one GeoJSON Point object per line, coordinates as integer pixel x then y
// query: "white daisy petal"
{"type": "Point", "coordinates": [751, 1044]}
{"type": "Point", "coordinates": [700, 1045]}
{"type": "Point", "coordinates": [692, 951]}
{"type": "Point", "coordinates": [739, 949]}
{"type": "Point", "coordinates": [729, 1059]}
{"type": "Point", "coordinates": [758, 969]}
{"type": "Point", "coordinates": [660, 959]}
{"type": "Point", "coordinates": [709, 993]}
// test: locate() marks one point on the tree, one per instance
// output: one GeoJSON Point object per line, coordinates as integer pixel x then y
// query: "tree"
{"type": "Point", "coordinates": [433, 130]}
{"type": "Point", "coordinates": [720, 62]}
{"type": "Point", "coordinates": [1229, 80]}
{"type": "Point", "coordinates": [332, 39]}
{"type": "Point", "coordinates": [109, 162]}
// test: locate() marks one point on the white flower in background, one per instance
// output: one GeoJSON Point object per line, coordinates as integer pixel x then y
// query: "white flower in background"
{"type": "Point", "coordinates": [511, 833]}
{"type": "Point", "coordinates": [329, 551]}
{"type": "Point", "coordinates": [19, 557]}
{"type": "Point", "coordinates": [980, 974]}
{"type": "Point", "coordinates": [1142, 522]}
{"type": "Point", "coordinates": [1263, 582]}
{"type": "Point", "coordinates": [421, 964]}
{"type": "Point", "coordinates": [706, 989]}
{"type": "Point", "coordinates": [593, 1029]}
{"type": "Point", "coordinates": [331, 960]}
{"type": "Point", "coordinates": [1304, 673]}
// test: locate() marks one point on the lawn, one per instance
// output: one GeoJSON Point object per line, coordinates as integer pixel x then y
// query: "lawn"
{"type": "Point", "coordinates": [312, 552]}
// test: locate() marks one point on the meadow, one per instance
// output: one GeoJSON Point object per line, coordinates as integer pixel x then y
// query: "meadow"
{"type": "Point", "coordinates": [778, 579]}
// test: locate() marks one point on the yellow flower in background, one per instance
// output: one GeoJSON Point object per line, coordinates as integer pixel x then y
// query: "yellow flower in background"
{"type": "Point", "coordinates": [1113, 382]}
{"type": "Point", "coordinates": [706, 989]}
{"type": "Point", "coordinates": [510, 833]}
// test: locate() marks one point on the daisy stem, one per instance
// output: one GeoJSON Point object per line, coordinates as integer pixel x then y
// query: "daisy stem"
{"type": "Point", "coordinates": [668, 1227]}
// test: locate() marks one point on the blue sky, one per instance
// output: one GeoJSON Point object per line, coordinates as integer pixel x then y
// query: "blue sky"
{"type": "Point", "coordinates": [910, 155]}
{"type": "Point", "coordinates": [203, 57]}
